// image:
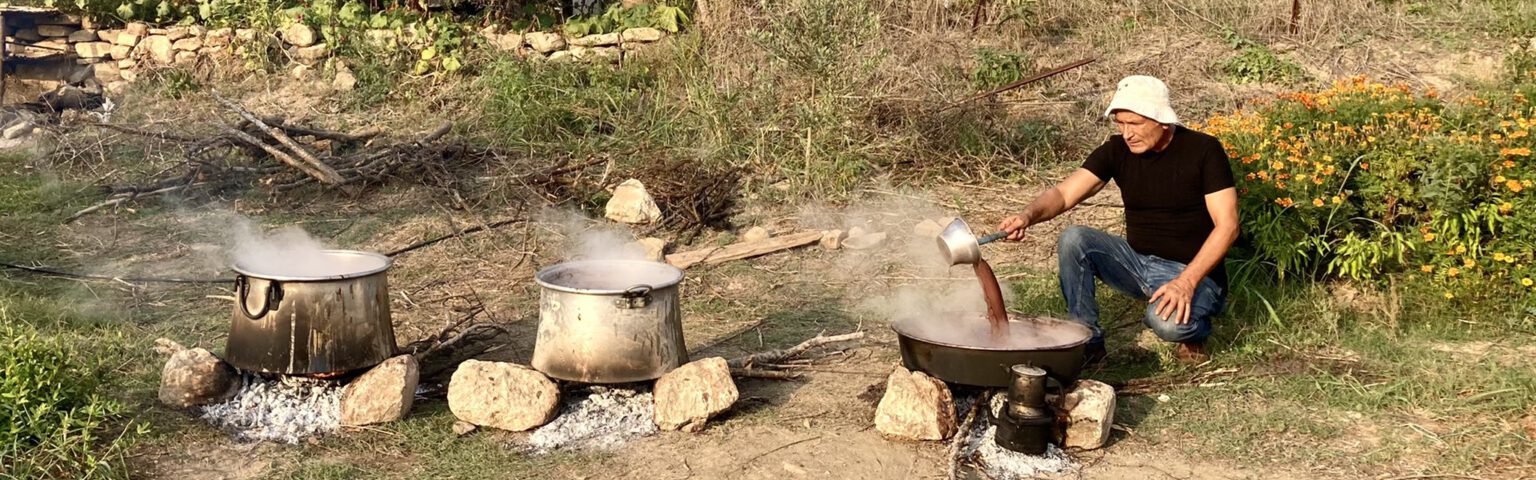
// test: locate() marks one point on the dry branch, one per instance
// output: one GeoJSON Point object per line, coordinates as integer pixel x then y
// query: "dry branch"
{"type": "Point", "coordinates": [781, 355]}
{"type": "Point", "coordinates": [317, 168]}
{"type": "Point", "coordinates": [714, 255]}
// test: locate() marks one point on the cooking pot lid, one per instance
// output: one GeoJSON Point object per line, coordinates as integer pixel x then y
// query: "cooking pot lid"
{"type": "Point", "coordinates": [607, 276]}
{"type": "Point", "coordinates": [971, 330]}
{"type": "Point", "coordinates": [314, 265]}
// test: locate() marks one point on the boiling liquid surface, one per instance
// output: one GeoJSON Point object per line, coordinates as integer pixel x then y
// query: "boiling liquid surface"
{"type": "Point", "coordinates": [973, 330]}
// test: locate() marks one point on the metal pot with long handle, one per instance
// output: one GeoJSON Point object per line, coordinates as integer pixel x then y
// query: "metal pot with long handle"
{"type": "Point", "coordinates": [609, 321]}
{"type": "Point", "coordinates": [323, 315]}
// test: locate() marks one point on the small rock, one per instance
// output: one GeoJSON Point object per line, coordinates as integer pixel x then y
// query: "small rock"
{"type": "Point", "coordinates": [603, 54]}
{"type": "Point", "coordinates": [687, 396]}
{"type": "Point", "coordinates": [189, 44]}
{"type": "Point", "coordinates": [383, 394]}
{"type": "Point", "coordinates": [194, 377]}
{"type": "Point", "coordinates": [82, 36]}
{"type": "Point", "coordinates": [599, 40]}
{"type": "Point", "coordinates": [220, 33]}
{"type": "Point", "coordinates": [245, 34]}
{"type": "Point", "coordinates": [215, 41]}
{"type": "Point", "coordinates": [177, 33]}
{"type": "Point", "coordinates": [159, 49]}
{"type": "Point", "coordinates": [28, 35]}
{"type": "Point", "coordinates": [833, 239]}
{"type": "Point", "coordinates": [17, 130]}
{"type": "Point", "coordinates": [121, 52]}
{"type": "Point", "coordinates": [345, 81]}
{"type": "Point", "coordinates": [462, 428]}
{"type": "Point", "coordinates": [93, 49]}
{"type": "Point", "coordinates": [655, 248]}
{"type": "Point", "coordinates": [137, 28]}
{"type": "Point", "coordinates": [1090, 409]}
{"type": "Point", "coordinates": [860, 239]}
{"type": "Point", "coordinates": [631, 203]}
{"type": "Point", "coordinates": [127, 39]}
{"type": "Point", "coordinates": [107, 73]}
{"type": "Point", "coordinates": [129, 75]}
{"type": "Point", "coordinates": [545, 42]}
{"type": "Point", "coordinates": [507, 42]}
{"type": "Point", "coordinates": [313, 53]}
{"type": "Point", "coordinates": [299, 35]}
{"type": "Point", "coordinates": [916, 407]}
{"type": "Point", "coordinates": [559, 56]}
{"type": "Point", "coordinates": [1164, 398]}
{"type": "Point", "coordinates": [642, 34]}
{"type": "Point", "coordinates": [197, 30]}
{"type": "Point", "coordinates": [755, 233]}
{"type": "Point", "coordinates": [301, 72]}
{"type": "Point", "coordinates": [157, 31]}
{"type": "Point", "coordinates": [54, 31]}
{"type": "Point", "coordinates": [167, 347]}
{"type": "Point", "coordinates": [108, 36]}
{"type": "Point", "coordinates": [502, 395]}
{"type": "Point", "coordinates": [928, 228]}
{"type": "Point", "coordinates": [184, 58]}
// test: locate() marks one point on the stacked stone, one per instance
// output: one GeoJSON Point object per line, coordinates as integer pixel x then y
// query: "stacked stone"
{"type": "Point", "coordinates": [555, 47]}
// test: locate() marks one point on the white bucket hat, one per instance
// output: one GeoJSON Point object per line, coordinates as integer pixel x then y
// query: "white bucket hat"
{"type": "Point", "coordinates": [1143, 95]}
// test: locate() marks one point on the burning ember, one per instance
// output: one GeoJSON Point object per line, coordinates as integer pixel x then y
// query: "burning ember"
{"type": "Point", "coordinates": [601, 420]}
{"type": "Point", "coordinates": [285, 409]}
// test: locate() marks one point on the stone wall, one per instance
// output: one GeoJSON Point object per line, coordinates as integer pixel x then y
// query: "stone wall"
{"type": "Point", "coordinates": [62, 48]}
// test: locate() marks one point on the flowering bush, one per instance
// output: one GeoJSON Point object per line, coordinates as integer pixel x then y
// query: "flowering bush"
{"type": "Point", "coordinates": [1365, 179]}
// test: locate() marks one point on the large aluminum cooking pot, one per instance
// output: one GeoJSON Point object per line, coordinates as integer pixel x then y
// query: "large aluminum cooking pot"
{"type": "Point", "coordinates": [609, 321]}
{"type": "Point", "coordinates": [325, 313]}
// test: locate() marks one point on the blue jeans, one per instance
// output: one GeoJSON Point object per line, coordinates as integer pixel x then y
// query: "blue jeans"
{"type": "Point", "coordinates": [1085, 253]}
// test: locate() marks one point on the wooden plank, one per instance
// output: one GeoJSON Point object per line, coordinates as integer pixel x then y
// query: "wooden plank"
{"type": "Point", "coordinates": [738, 251]}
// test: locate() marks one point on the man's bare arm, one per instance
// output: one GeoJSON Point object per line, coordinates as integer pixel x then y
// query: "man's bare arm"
{"type": "Point", "coordinates": [1078, 186]}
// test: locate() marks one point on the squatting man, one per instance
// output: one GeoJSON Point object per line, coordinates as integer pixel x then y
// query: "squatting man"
{"type": "Point", "coordinates": [1180, 219]}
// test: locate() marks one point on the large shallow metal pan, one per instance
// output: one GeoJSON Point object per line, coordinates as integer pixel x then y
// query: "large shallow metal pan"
{"type": "Point", "coordinates": [922, 348]}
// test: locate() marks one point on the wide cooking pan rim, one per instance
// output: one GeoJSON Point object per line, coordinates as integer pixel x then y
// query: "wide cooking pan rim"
{"type": "Point", "coordinates": [383, 263]}
{"type": "Point", "coordinates": [659, 276]}
{"type": "Point", "coordinates": [897, 326]}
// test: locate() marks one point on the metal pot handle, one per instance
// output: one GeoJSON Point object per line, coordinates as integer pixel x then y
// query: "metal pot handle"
{"type": "Point", "coordinates": [274, 297]}
{"type": "Point", "coordinates": [638, 296]}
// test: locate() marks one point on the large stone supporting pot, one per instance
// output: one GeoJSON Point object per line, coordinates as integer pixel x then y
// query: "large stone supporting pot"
{"type": "Point", "coordinates": [915, 407]}
{"type": "Point", "coordinates": [502, 395]}
{"type": "Point", "coordinates": [687, 397]}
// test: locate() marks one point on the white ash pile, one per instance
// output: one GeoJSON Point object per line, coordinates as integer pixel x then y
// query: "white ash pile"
{"type": "Point", "coordinates": [602, 419]}
{"type": "Point", "coordinates": [283, 409]}
{"type": "Point", "coordinates": [980, 450]}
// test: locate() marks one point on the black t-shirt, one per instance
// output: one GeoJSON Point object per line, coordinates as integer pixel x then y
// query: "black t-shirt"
{"type": "Point", "coordinates": [1164, 193]}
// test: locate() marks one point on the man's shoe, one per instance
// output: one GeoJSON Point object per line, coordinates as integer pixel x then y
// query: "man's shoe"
{"type": "Point", "coordinates": [1192, 353]}
{"type": "Point", "coordinates": [1094, 353]}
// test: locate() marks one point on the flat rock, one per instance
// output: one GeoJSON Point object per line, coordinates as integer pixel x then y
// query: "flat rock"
{"type": "Point", "coordinates": [313, 53]}
{"type": "Point", "coordinates": [27, 35]}
{"type": "Point", "coordinates": [159, 49]}
{"type": "Point", "coordinates": [299, 35]}
{"type": "Point", "coordinates": [177, 33]}
{"type": "Point", "coordinates": [755, 233]}
{"type": "Point", "coordinates": [107, 73]}
{"type": "Point", "coordinates": [17, 130]}
{"type": "Point", "coordinates": [127, 39]}
{"type": "Point", "coordinates": [462, 428]}
{"type": "Point", "coordinates": [506, 42]}
{"type": "Point", "coordinates": [915, 407]}
{"type": "Point", "coordinates": [82, 36]}
{"type": "Point", "coordinates": [860, 239]}
{"type": "Point", "coordinates": [545, 42]}
{"type": "Point", "coordinates": [642, 34]}
{"type": "Point", "coordinates": [189, 44]}
{"type": "Point", "coordinates": [502, 395]}
{"type": "Point", "coordinates": [1090, 409]}
{"type": "Point", "coordinates": [184, 58]}
{"type": "Point", "coordinates": [55, 30]}
{"type": "Point", "coordinates": [603, 54]}
{"type": "Point", "coordinates": [655, 248]}
{"type": "Point", "coordinates": [688, 396]}
{"type": "Point", "coordinates": [121, 52]}
{"type": "Point", "coordinates": [631, 203]}
{"type": "Point", "coordinates": [195, 377]}
{"type": "Point", "coordinates": [833, 239]}
{"type": "Point", "coordinates": [559, 56]}
{"type": "Point", "coordinates": [383, 394]}
{"type": "Point", "coordinates": [345, 80]}
{"type": "Point", "coordinates": [137, 28]}
{"type": "Point", "coordinates": [93, 49]}
{"type": "Point", "coordinates": [245, 34]}
{"type": "Point", "coordinates": [599, 40]}
{"type": "Point", "coordinates": [928, 228]}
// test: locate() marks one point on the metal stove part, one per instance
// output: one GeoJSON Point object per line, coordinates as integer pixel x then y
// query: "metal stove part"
{"type": "Point", "coordinates": [1027, 424]}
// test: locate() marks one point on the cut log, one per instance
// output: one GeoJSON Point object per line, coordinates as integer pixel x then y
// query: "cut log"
{"type": "Point", "coordinates": [738, 251]}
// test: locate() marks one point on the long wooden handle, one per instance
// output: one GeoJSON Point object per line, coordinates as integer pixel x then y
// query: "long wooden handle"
{"type": "Point", "coordinates": [1020, 83]}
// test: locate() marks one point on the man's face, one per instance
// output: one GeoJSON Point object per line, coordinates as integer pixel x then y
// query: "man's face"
{"type": "Point", "coordinates": [1140, 133]}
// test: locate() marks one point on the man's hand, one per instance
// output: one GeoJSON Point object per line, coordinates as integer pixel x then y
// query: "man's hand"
{"type": "Point", "coordinates": [1015, 226]}
{"type": "Point", "coordinates": [1173, 300]}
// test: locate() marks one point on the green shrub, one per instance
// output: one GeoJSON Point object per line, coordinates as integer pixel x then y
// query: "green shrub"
{"type": "Point", "coordinates": [54, 421]}
{"type": "Point", "coordinates": [1364, 179]}
{"type": "Point", "coordinates": [995, 68]}
{"type": "Point", "coordinates": [1257, 63]}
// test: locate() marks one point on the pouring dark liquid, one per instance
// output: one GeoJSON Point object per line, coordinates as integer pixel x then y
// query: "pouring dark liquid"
{"type": "Point", "coordinates": [997, 314]}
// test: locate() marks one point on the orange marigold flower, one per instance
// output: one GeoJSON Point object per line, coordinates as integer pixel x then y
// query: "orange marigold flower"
{"type": "Point", "coordinates": [1506, 207]}
{"type": "Point", "coordinates": [1509, 164]}
{"type": "Point", "coordinates": [1317, 202]}
{"type": "Point", "coordinates": [1515, 152]}
{"type": "Point", "coordinates": [1429, 237]}
{"type": "Point", "coordinates": [1365, 166]}
{"type": "Point", "coordinates": [1427, 268]}
{"type": "Point", "coordinates": [1527, 281]}
{"type": "Point", "coordinates": [1285, 202]}
{"type": "Point", "coordinates": [1453, 271]}
{"type": "Point", "coordinates": [1468, 263]}
{"type": "Point", "coordinates": [1514, 186]}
